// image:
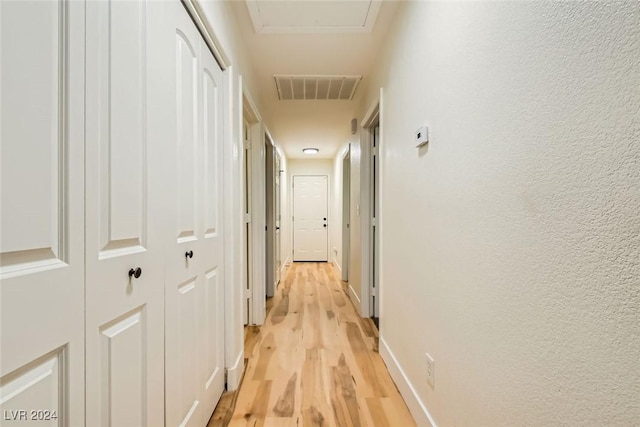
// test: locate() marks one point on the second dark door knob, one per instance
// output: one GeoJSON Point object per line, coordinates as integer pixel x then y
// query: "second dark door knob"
{"type": "Point", "coordinates": [188, 254]}
{"type": "Point", "coordinates": [135, 272]}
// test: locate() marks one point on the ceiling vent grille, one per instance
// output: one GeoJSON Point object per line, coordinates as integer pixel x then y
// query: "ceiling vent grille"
{"type": "Point", "coordinates": [316, 87]}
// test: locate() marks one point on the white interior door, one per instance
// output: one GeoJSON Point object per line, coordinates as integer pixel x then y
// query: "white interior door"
{"type": "Point", "coordinates": [125, 271]}
{"type": "Point", "coordinates": [211, 326]}
{"type": "Point", "coordinates": [194, 284]}
{"type": "Point", "coordinates": [310, 225]}
{"type": "Point", "coordinates": [42, 213]}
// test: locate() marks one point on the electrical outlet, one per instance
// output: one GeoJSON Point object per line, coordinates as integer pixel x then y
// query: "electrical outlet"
{"type": "Point", "coordinates": [430, 369]}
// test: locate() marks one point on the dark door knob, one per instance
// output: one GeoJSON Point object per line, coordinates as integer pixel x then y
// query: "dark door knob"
{"type": "Point", "coordinates": [188, 254]}
{"type": "Point", "coordinates": [324, 219]}
{"type": "Point", "coordinates": [135, 272]}
{"type": "Point", "coordinates": [324, 225]}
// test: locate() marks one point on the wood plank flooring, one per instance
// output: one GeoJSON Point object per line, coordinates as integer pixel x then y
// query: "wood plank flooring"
{"type": "Point", "coordinates": [314, 362]}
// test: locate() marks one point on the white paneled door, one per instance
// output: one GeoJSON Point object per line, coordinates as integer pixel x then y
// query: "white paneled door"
{"type": "Point", "coordinates": [42, 213]}
{"type": "Point", "coordinates": [194, 258]}
{"type": "Point", "coordinates": [125, 272]}
{"type": "Point", "coordinates": [310, 225]}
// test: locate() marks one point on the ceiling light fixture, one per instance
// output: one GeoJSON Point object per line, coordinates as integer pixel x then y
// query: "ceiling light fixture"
{"type": "Point", "coordinates": [310, 150]}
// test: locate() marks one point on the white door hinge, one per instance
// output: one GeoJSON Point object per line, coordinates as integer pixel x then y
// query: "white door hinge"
{"type": "Point", "coordinates": [247, 293]}
{"type": "Point", "coordinates": [374, 221]}
{"type": "Point", "coordinates": [247, 218]}
{"type": "Point", "coordinates": [374, 151]}
{"type": "Point", "coordinates": [374, 292]}
{"type": "Point", "coordinates": [247, 145]}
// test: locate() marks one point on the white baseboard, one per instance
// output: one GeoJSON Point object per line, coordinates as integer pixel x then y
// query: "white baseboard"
{"type": "Point", "coordinates": [416, 406]}
{"type": "Point", "coordinates": [355, 298]}
{"type": "Point", "coordinates": [234, 373]}
{"type": "Point", "coordinates": [337, 265]}
{"type": "Point", "coordinates": [284, 265]}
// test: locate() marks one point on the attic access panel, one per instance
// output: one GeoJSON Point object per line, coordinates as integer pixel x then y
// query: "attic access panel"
{"type": "Point", "coordinates": [295, 16]}
{"type": "Point", "coordinates": [316, 87]}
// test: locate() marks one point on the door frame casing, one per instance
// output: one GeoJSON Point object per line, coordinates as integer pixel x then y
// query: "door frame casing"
{"type": "Point", "coordinates": [258, 222]}
{"type": "Point", "coordinates": [373, 117]}
{"type": "Point", "coordinates": [251, 253]}
{"type": "Point", "coordinates": [346, 213]}
{"type": "Point", "coordinates": [270, 220]}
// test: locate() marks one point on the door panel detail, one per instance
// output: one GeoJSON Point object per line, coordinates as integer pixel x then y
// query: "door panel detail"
{"type": "Point", "coordinates": [210, 92]}
{"type": "Point", "coordinates": [214, 311]}
{"type": "Point", "coordinates": [40, 384]}
{"type": "Point", "coordinates": [187, 140]}
{"type": "Point", "coordinates": [122, 127]}
{"type": "Point", "coordinates": [124, 369]}
{"type": "Point", "coordinates": [33, 237]}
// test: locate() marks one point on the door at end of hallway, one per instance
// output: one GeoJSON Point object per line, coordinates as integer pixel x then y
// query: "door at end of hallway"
{"type": "Point", "coordinates": [310, 218]}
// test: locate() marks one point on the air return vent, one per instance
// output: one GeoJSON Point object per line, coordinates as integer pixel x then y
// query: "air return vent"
{"type": "Point", "coordinates": [316, 87]}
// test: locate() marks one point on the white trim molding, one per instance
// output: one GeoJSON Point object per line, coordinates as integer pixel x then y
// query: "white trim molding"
{"type": "Point", "coordinates": [370, 119]}
{"type": "Point", "coordinates": [207, 32]}
{"type": "Point", "coordinates": [234, 373]}
{"type": "Point", "coordinates": [336, 264]}
{"type": "Point", "coordinates": [258, 222]}
{"type": "Point", "coordinates": [416, 406]}
{"type": "Point", "coordinates": [285, 264]}
{"type": "Point", "coordinates": [380, 218]}
{"type": "Point", "coordinates": [249, 108]}
{"type": "Point", "coordinates": [354, 297]}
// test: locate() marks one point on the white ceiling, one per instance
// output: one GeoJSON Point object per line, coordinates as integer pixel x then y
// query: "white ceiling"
{"type": "Point", "coordinates": [296, 124]}
{"type": "Point", "coordinates": [270, 16]}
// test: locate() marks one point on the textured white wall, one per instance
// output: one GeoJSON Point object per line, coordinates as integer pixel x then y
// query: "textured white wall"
{"type": "Point", "coordinates": [512, 243]}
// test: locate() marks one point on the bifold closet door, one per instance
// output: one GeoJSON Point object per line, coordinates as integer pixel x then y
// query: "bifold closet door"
{"type": "Point", "coordinates": [194, 259]}
{"type": "Point", "coordinates": [126, 142]}
{"type": "Point", "coordinates": [42, 213]}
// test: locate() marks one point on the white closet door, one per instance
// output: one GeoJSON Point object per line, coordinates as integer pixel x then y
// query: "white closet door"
{"type": "Point", "coordinates": [211, 337]}
{"type": "Point", "coordinates": [194, 285]}
{"type": "Point", "coordinates": [42, 213]}
{"type": "Point", "coordinates": [125, 272]}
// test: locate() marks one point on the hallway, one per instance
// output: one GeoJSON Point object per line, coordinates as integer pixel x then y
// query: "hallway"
{"type": "Point", "coordinates": [465, 172]}
{"type": "Point", "coordinates": [315, 361]}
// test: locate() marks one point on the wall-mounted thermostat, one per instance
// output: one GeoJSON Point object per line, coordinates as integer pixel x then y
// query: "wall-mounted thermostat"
{"type": "Point", "coordinates": [422, 136]}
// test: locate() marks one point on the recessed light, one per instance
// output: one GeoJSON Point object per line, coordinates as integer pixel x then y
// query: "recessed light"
{"type": "Point", "coordinates": [310, 150]}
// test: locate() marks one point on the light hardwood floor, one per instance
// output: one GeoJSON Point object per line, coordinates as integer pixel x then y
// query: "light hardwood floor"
{"type": "Point", "coordinates": [314, 362]}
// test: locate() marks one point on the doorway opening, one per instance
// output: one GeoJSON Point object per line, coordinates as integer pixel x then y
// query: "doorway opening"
{"type": "Point", "coordinates": [246, 202]}
{"type": "Point", "coordinates": [371, 199]}
{"type": "Point", "coordinates": [375, 227]}
{"type": "Point", "coordinates": [272, 216]}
